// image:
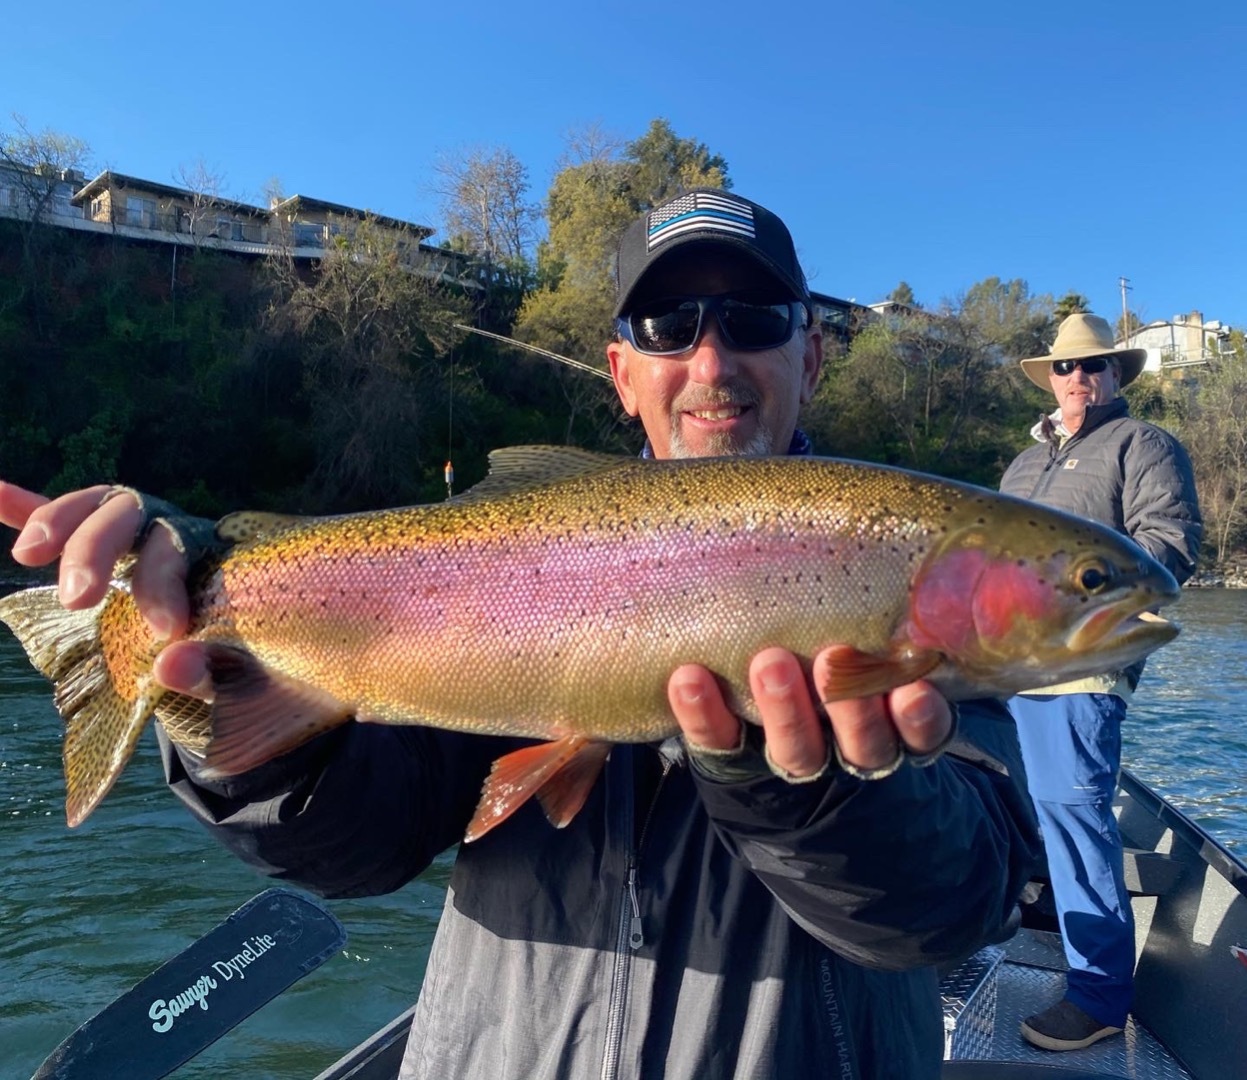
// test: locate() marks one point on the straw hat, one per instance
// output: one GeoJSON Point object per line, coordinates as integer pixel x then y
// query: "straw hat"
{"type": "Point", "coordinates": [1081, 336]}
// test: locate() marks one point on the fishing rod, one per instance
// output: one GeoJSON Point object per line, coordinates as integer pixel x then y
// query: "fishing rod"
{"type": "Point", "coordinates": [579, 365]}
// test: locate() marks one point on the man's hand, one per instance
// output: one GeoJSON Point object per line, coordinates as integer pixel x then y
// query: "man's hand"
{"type": "Point", "coordinates": [870, 731]}
{"type": "Point", "coordinates": [89, 537]}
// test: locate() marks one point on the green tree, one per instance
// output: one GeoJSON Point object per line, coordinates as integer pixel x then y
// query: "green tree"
{"type": "Point", "coordinates": [903, 294]}
{"type": "Point", "coordinates": [1215, 435]}
{"type": "Point", "coordinates": [937, 391]}
{"type": "Point", "coordinates": [1126, 324]}
{"type": "Point", "coordinates": [372, 339]}
{"type": "Point", "coordinates": [1005, 317]}
{"type": "Point", "coordinates": [36, 167]}
{"type": "Point", "coordinates": [1072, 303]}
{"type": "Point", "coordinates": [596, 194]}
{"type": "Point", "coordinates": [660, 165]}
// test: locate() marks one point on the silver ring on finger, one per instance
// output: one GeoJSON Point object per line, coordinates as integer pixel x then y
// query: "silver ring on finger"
{"type": "Point", "coordinates": [871, 774]}
{"type": "Point", "coordinates": [792, 778]}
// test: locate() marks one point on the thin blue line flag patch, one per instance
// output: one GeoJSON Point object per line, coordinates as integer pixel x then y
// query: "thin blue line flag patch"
{"type": "Point", "coordinates": [701, 211]}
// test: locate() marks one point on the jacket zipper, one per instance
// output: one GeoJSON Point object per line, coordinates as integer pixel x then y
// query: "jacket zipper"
{"type": "Point", "coordinates": [631, 937]}
{"type": "Point", "coordinates": [1056, 453]}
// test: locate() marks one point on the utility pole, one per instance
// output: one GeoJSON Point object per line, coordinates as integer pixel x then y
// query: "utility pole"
{"type": "Point", "coordinates": [1125, 286]}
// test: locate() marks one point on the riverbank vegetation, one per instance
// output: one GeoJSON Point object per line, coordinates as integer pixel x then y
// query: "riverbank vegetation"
{"type": "Point", "coordinates": [223, 381]}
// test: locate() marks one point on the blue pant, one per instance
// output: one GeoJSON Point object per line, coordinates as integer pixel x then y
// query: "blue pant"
{"type": "Point", "coordinates": [1071, 745]}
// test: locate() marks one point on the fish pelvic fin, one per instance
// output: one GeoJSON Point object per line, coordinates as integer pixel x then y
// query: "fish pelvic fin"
{"type": "Point", "coordinates": [560, 774]}
{"type": "Point", "coordinates": [853, 674]}
{"type": "Point", "coordinates": [258, 714]}
{"type": "Point", "coordinates": [99, 661]}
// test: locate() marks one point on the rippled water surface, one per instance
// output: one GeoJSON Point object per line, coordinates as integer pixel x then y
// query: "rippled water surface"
{"type": "Point", "coordinates": [85, 914]}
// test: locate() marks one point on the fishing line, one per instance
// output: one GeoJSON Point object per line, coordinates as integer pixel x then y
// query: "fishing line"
{"type": "Point", "coordinates": [448, 473]}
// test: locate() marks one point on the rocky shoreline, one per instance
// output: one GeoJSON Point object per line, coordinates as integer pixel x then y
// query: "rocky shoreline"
{"type": "Point", "coordinates": [1233, 578]}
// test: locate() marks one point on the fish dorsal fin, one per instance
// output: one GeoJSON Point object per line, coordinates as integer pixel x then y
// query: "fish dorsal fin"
{"type": "Point", "coordinates": [244, 525]}
{"type": "Point", "coordinates": [513, 469]}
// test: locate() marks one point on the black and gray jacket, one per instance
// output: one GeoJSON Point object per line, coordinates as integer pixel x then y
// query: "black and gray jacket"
{"type": "Point", "coordinates": [679, 927]}
{"type": "Point", "coordinates": [1121, 472]}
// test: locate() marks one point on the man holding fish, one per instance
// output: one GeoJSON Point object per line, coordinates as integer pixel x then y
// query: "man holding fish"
{"type": "Point", "coordinates": [745, 899]}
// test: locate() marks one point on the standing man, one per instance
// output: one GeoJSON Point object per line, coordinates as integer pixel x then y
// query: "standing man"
{"type": "Point", "coordinates": [733, 904]}
{"type": "Point", "coordinates": [1093, 460]}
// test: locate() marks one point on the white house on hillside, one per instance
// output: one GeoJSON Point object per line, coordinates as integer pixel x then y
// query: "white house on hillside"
{"type": "Point", "coordinates": [1183, 341]}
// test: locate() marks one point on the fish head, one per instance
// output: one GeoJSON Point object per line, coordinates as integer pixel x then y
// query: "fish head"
{"type": "Point", "coordinates": [1037, 599]}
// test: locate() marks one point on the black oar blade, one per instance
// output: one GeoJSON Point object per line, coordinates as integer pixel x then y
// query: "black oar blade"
{"type": "Point", "coordinates": [188, 1003]}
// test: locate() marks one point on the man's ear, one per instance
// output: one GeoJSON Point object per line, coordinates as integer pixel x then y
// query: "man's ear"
{"type": "Point", "coordinates": [812, 364]}
{"type": "Point", "coordinates": [617, 354]}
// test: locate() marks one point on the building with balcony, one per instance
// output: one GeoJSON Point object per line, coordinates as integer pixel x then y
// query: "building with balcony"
{"type": "Point", "coordinates": [148, 211]}
{"type": "Point", "coordinates": [1182, 342]}
{"type": "Point", "coordinates": [44, 192]}
{"type": "Point", "coordinates": [840, 319]}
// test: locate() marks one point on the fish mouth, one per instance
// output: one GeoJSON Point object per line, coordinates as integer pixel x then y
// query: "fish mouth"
{"type": "Point", "coordinates": [1123, 627]}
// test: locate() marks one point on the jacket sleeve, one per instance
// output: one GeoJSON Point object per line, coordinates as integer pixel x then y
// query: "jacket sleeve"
{"type": "Point", "coordinates": [357, 812]}
{"type": "Point", "coordinates": [919, 868]}
{"type": "Point", "coordinates": [1160, 506]}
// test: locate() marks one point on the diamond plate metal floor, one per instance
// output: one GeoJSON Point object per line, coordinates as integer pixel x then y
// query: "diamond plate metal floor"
{"type": "Point", "coordinates": [1032, 978]}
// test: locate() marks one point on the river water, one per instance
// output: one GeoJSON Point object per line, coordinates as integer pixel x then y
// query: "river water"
{"type": "Point", "coordinates": [85, 914]}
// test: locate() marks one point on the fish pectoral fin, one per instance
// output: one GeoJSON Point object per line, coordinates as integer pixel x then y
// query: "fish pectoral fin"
{"type": "Point", "coordinates": [848, 673]}
{"type": "Point", "coordinates": [259, 714]}
{"type": "Point", "coordinates": [559, 773]}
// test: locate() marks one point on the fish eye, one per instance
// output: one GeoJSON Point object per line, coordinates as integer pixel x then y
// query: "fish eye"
{"type": "Point", "coordinates": [1095, 576]}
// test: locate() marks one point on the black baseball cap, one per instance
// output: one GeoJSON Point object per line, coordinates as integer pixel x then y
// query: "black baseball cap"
{"type": "Point", "coordinates": [708, 216]}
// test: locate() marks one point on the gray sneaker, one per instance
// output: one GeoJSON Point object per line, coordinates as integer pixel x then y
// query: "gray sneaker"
{"type": "Point", "coordinates": [1064, 1026]}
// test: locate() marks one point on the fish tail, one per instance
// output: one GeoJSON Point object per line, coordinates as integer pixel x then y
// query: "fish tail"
{"type": "Point", "coordinates": [99, 661]}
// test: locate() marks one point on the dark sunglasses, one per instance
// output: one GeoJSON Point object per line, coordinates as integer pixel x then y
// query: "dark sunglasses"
{"type": "Point", "coordinates": [1093, 365]}
{"type": "Point", "coordinates": [675, 325]}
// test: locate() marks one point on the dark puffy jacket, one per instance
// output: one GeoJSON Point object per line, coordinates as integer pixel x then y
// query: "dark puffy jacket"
{"type": "Point", "coordinates": [1124, 473]}
{"type": "Point", "coordinates": [678, 927]}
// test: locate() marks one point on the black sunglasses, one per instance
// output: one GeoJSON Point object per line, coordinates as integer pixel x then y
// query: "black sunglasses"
{"type": "Point", "coordinates": [675, 325]}
{"type": "Point", "coordinates": [1093, 365]}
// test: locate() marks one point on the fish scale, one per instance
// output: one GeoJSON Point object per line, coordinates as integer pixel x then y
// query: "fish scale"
{"type": "Point", "coordinates": [671, 580]}
{"type": "Point", "coordinates": [553, 600]}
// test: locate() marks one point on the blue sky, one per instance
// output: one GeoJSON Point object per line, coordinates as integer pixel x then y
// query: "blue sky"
{"type": "Point", "coordinates": [1064, 143]}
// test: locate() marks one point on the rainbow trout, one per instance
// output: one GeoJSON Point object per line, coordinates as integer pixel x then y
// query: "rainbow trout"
{"type": "Point", "coordinates": [553, 600]}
